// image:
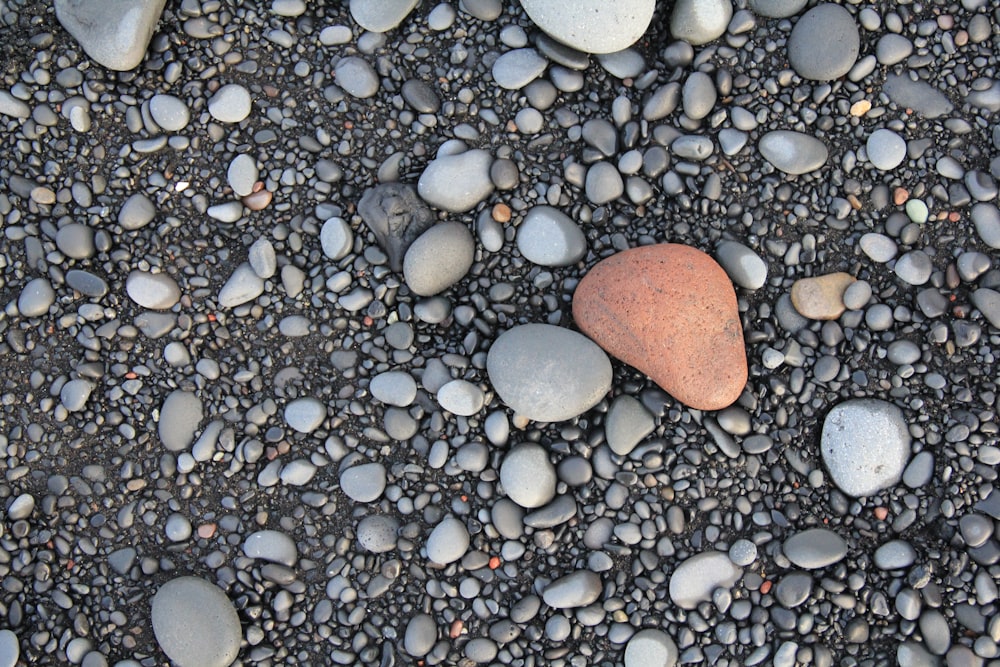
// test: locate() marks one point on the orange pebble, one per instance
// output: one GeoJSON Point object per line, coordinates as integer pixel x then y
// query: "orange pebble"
{"type": "Point", "coordinates": [494, 562]}
{"type": "Point", "coordinates": [501, 212]}
{"type": "Point", "coordinates": [765, 587]}
{"type": "Point", "coordinates": [456, 628]}
{"type": "Point", "coordinates": [900, 195]}
{"type": "Point", "coordinates": [881, 513]}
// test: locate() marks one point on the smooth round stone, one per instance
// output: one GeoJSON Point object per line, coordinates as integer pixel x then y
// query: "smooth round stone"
{"type": "Point", "coordinates": [420, 636]}
{"type": "Point", "coordinates": [305, 414]}
{"type": "Point", "coordinates": [137, 212]}
{"type": "Point", "coordinates": [179, 419]}
{"type": "Point", "coordinates": [242, 287]}
{"type": "Point", "coordinates": [356, 77]}
{"type": "Point", "coordinates": [195, 623]}
{"type": "Point", "coordinates": [76, 241]}
{"type": "Point", "coordinates": [242, 174]}
{"type": "Point", "coordinates": [886, 149]}
{"type": "Point", "coordinates": [170, 113]}
{"type": "Point", "coordinates": [363, 483]}
{"type": "Point", "coordinates": [986, 218]}
{"type": "Point", "coordinates": [448, 542]}
{"type": "Point", "coordinates": [892, 49]}
{"type": "Point", "coordinates": [815, 548]}
{"type": "Point", "coordinates": [441, 17]}
{"type": "Point", "coordinates": [335, 34]}
{"type": "Point", "coordinates": [915, 267]}
{"type": "Point", "coordinates": [821, 297]}
{"type": "Point", "coordinates": [381, 15]}
{"type": "Point", "coordinates": [777, 9]}
{"type": "Point", "coordinates": [156, 291]}
{"type": "Point", "coordinates": [548, 237]}
{"type": "Point", "coordinates": [10, 649]}
{"type": "Point", "coordinates": [461, 397]}
{"type": "Point", "coordinates": [700, 21]}
{"type": "Point", "coordinates": [744, 266]}
{"type": "Point", "coordinates": [439, 258]}
{"type": "Point", "coordinates": [529, 121]}
{"type": "Point", "coordinates": [288, 8]}
{"type": "Point", "coordinates": [394, 388]}
{"type": "Point", "coordinates": [178, 528]}
{"type": "Point", "coordinates": [975, 529]}
{"type": "Point", "coordinates": [696, 579]}
{"type": "Point", "coordinates": [378, 533]}
{"type": "Point", "coordinates": [528, 476]}
{"type": "Point", "coordinates": [517, 68]}
{"type": "Point", "coordinates": [627, 423]}
{"type": "Point", "coordinates": [230, 104]}
{"type": "Point", "coordinates": [698, 95]}
{"type": "Point", "coordinates": [865, 445]}
{"type": "Point", "coordinates": [74, 394]}
{"type": "Point", "coordinates": [626, 64]}
{"type": "Point", "coordinates": [584, 25]}
{"type": "Point", "coordinates": [793, 589]}
{"type": "Point", "coordinates": [743, 552]}
{"type": "Point", "coordinates": [36, 297]}
{"type": "Point", "coordinates": [879, 247]}
{"type": "Point", "coordinates": [793, 152]}
{"type": "Point", "coordinates": [229, 211]}
{"type": "Point", "coordinates": [547, 373]}
{"type": "Point", "coordinates": [457, 183]}
{"type": "Point", "coordinates": [336, 238]}
{"type": "Point", "coordinates": [894, 555]}
{"type": "Point", "coordinates": [421, 96]}
{"type": "Point", "coordinates": [824, 43]}
{"type": "Point", "coordinates": [481, 650]}
{"type": "Point", "coordinates": [604, 183]}
{"type": "Point", "coordinates": [651, 648]}
{"type": "Point", "coordinates": [575, 590]}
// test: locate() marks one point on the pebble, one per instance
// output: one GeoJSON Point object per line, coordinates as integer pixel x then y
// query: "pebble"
{"type": "Point", "coordinates": [230, 104]}
{"type": "Point", "coordinates": [627, 424]}
{"type": "Point", "coordinates": [517, 68]}
{"type": "Point", "coordinates": [815, 548]}
{"type": "Point", "coordinates": [74, 394]}
{"type": "Point", "coordinates": [420, 636]}
{"type": "Point", "coordinates": [548, 237]}
{"type": "Point", "coordinates": [170, 113]}
{"type": "Point", "coordinates": [156, 291]}
{"type": "Point", "coordinates": [13, 107]}
{"type": "Point", "coordinates": [698, 96]}
{"type": "Point", "coordinates": [683, 303]}
{"type": "Point", "coordinates": [743, 266]}
{"type": "Point", "coordinates": [824, 43]}
{"type": "Point", "coordinates": [10, 649]}
{"type": "Point", "coordinates": [575, 590]}
{"type": "Point", "coordinates": [305, 414]}
{"type": "Point", "coordinates": [381, 15]}
{"type": "Point", "coordinates": [743, 552]}
{"type": "Point", "coordinates": [886, 149]}
{"type": "Point", "coordinates": [695, 579]}
{"type": "Point", "coordinates": [699, 22]}
{"type": "Point", "coordinates": [794, 153]}
{"type": "Point", "coordinates": [914, 267]}
{"type": "Point", "coordinates": [892, 49]}
{"type": "Point", "coordinates": [137, 212]}
{"type": "Point", "coordinates": [36, 297]}
{"type": "Point", "coordinates": [920, 96]}
{"type": "Point", "coordinates": [461, 397]}
{"type": "Point", "coordinates": [195, 623]}
{"type": "Point", "coordinates": [180, 418]}
{"type": "Point", "coordinates": [583, 25]}
{"type": "Point", "coordinates": [988, 303]}
{"type": "Point", "coordinates": [822, 297]}
{"type": "Point", "coordinates": [439, 258]}
{"type": "Point", "coordinates": [879, 247]}
{"type": "Point", "coordinates": [113, 34]}
{"type": "Point", "coordinates": [604, 183]}
{"type": "Point", "coordinates": [242, 174]}
{"type": "Point", "coordinates": [986, 218]}
{"type": "Point", "coordinates": [357, 77]}
{"type": "Point", "coordinates": [394, 388]}
{"type": "Point", "coordinates": [894, 555]}
{"type": "Point", "coordinates": [651, 648]}
{"type": "Point", "coordinates": [547, 373]}
{"type": "Point", "coordinates": [865, 445]}
{"type": "Point", "coordinates": [242, 287]}
{"type": "Point", "coordinates": [777, 9]}
{"type": "Point", "coordinates": [262, 258]}
{"type": "Point", "coordinates": [528, 476]}
{"type": "Point", "coordinates": [457, 183]}
{"type": "Point", "coordinates": [448, 542]}
{"type": "Point", "coordinates": [271, 545]}
{"type": "Point", "coordinates": [363, 483]}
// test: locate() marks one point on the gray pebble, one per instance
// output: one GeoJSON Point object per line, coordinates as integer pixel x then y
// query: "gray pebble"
{"type": "Point", "coordinates": [604, 183]}
{"type": "Point", "coordinates": [815, 548]}
{"type": "Point", "coordinates": [548, 237]}
{"type": "Point", "coordinates": [448, 542]}
{"type": "Point", "coordinates": [517, 68]}
{"type": "Point", "coordinates": [793, 152]}
{"type": "Point", "coordinates": [180, 416]}
{"type": "Point", "coordinates": [363, 483]}
{"type": "Point", "coordinates": [574, 590]}
{"type": "Point", "coordinates": [242, 287]}
{"type": "Point", "coordinates": [865, 445]}
{"type": "Point", "coordinates": [170, 113]}
{"type": "Point", "coordinates": [457, 183]}
{"type": "Point", "coordinates": [36, 298]}
{"type": "Point", "coordinates": [357, 77]}
{"type": "Point", "coordinates": [527, 476]}
{"type": "Point", "coordinates": [438, 258]}
{"type": "Point", "coordinates": [195, 623]}
{"type": "Point", "coordinates": [137, 212]}
{"type": "Point", "coordinates": [378, 533]}
{"type": "Point", "coordinates": [824, 43]}
{"type": "Point", "coordinates": [230, 104]}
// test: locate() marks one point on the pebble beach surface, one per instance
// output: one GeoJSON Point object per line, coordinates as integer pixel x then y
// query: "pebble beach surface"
{"type": "Point", "coordinates": [499, 332]}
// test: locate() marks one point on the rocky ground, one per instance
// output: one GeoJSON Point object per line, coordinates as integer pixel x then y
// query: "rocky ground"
{"type": "Point", "coordinates": [521, 333]}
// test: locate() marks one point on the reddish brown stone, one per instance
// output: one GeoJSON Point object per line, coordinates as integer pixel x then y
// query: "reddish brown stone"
{"type": "Point", "coordinates": [670, 311]}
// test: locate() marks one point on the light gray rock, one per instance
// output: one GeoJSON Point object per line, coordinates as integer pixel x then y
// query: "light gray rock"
{"type": "Point", "coordinates": [10, 649]}
{"type": "Point", "coordinates": [548, 237]}
{"type": "Point", "coordinates": [448, 541]}
{"type": "Point", "coordinates": [584, 24]}
{"type": "Point", "coordinates": [242, 174]}
{"type": "Point", "coordinates": [457, 183]}
{"type": "Point", "coordinates": [271, 545]}
{"type": "Point", "coordinates": [170, 113]}
{"type": "Point", "coordinates": [528, 476]}
{"type": "Point", "coordinates": [700, 21]}
{"type": "Point", "coordinates": [461, 397]}
{"type": "Point", "coordinates": [743, 266]}
{"type": "Point", "coordinates": [420, 636]}
{"type": "Point", "coordinates": [229, 211]}
{"type": "Point", "coordinates": [815, 548]}
{"type": "Point", "coordinates": [439, 258]}
{"type": "Point", "coordinates": [180, 417]}
{"type": "Point", "coordinates": [918, 95]}
{"type": "Point", "coordinates": [195, 623]}
{"type": "Point", "coordinates": [137, 212]}
{"type": "Point", "coordinates": [692, 147]}
{"type": "Point", "coordinates": [694, 580]}
{"type": "Point", "coordinates": [793, 152]}
{"type": "Point", "coordinates": [381, 15]}
{"type": "Point", "coordinates": [886, 149]}
{"type": "Point", "coordinates": [604, 183]}
{"type": "Point", "coordinates": [627, 423]}
{"type": "Point", "coordinates": [892, 49]}
{"type": "Point", "coordinates": [625, 64]}
{"type": "Point", "coordinates": [547, 373]}
{"type": "Point", "coordinates": [230, 104]}
{"type": "Point", "coordinates": [13, 107]}
{"type": "Point", "coordinates": [824, 43]}
{"type": "Point", "coordinates": [357, 77]}
{"type": "Point", "coordinates": [575, 590]}
{"type": "Point", "coordinates": [515, 69]}
{"type": "Point", "coordinates": [894, 555]}
{"type": "Point", "coordinates": [914, 267]}
{"type": "Point", "coordinates": [336, 238]}
{"type": "Point", "coordinates": [777, 9]}
{"type": "Point", "coordinates": [36, 298]}
{"type": "Point", "coordinates": [76, 240]}
{"type": "Point", "coordinates": [988, 303]}
{"type": "Point", "coordinates": [378, 533]}
{"type": "Point", "coordinates": [986, 218]}
{"type": "Point", "coordinates": [114, 33]}
{"type": "Point", "coordinates": [305, 414]}
{"type": "Point", "coordinates": [865, 445]}
{"type": "Point", "coordinates": [394, 388]}
{"type": "Point", "coordinates": [262, 258]}
{"type": "Point", "coordinates": [879, 247]}
{"type": "Point", "coordinates": [242, 287]}
{"type": "Point", "coordinates": [651, 648]}
{"type": "Point", "coordinates": [363, 483]}
{"type": "Point", "coordinates": [156, 291]}
{"type": "Point", "coordinates": [74, 394]}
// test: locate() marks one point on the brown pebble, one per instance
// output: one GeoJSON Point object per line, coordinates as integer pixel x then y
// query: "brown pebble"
{"type": "Point", "coordinates": [258, 201]}
{"type": "Point", "coordinates": [501, 212]}
{"type": "Point", "coordinates": [206, 530]}
{"type": "Point", "coordinates": [899, 196]}
{"type": "Point", "coordinates": [822, 297]}
{"type": "Point", "coordinates": [455, 631]}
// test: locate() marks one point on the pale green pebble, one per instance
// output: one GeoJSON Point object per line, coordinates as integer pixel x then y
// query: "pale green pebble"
{"type": "Point", "coordinates": [916, 209]}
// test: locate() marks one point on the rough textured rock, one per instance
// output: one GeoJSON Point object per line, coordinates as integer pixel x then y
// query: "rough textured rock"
{"type": "Point", "coordinates": [115, 33]}
{"type": "Point", "coordinates": [397, 216]}
{"type": "Point", "coordinates": [865, 446]}
{"type": "Point", "coordinates": [670, 311]}
{"type": "Point", "coordinates": [583, 24]}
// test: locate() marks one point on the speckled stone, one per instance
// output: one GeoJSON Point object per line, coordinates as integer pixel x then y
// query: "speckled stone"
{"type": "Point", "coordinates": [670, 311]}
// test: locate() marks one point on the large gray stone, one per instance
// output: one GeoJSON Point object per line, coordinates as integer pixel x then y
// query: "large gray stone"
{"type": "Point", "coordinates": [114, 33]}
{"type": "Point", "coordinates": [457, 183]}
{"type": "Point", "coordinates": [865, 446]}
{"type": "Point", "coordinates": [179, 419]}
{"type": "Point", "coordinates": [700, 21]}
{"type": "Point", "coordinates": [793, 152]}
{"type": "Point", "coordinates": [592, 26]}
{"type": "Point", "coordinates": [694, 580]}
{"type": "Point", "coordinates": [195, 623]}
{"type": "Point", "coordinates": [381, 15]}
{"type": "Point", "coordinates": [439, 258]}
{"type": "Point", "coordinates": [548, 237]}
{"type": "Point", "coordinates": [824, 44]}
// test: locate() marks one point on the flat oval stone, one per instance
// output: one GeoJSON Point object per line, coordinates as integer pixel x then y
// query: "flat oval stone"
{"type": "Point", "coordinates": [815, 548]}
{"type": "Point", "coordinates": [670, 311]}
{"type": "Point", "coordinates": [363, 483]}
{"type": "Point", "coordinates": [448, 541]}
{"type": "Point", "coordinates": [547, 373]}
{"type": "Point", "coordinates": [420, 636]}
{"type": "Point", "coordinates": [381, 15]}
{"type": "Point", "coordinates": [744, 266]}
{"type": "Point", "coordinates": [548, 237]}
{"type": "Point", "coordinates": [230, 104]}
{"type": "Point", "coordinates": [777, 9]}
{"type": "Point", "coordinates": [271, 545]}
{"type": "Point", "coordinates": [461, 397]}
{"type": "Point", "coordinates": [171, 113]}
{"type": "Point", "coordinates": [242, 174]}
{"type": "Point", "coordinates": [516, 69]}
{"type": "Point", "coordinates": [865, 445]}
{"type": "Point", "coordinates": [885, 149]}
{"type": "Point", "coordinates": [137, 212]}
{"type": "Point", "coordinates": [793, 152]}
{"type": "Point", "coordinates": [824, 44]}
{"type": "Point", "coordinates": [651, 648]}
{"type": "Point", "coordinates": [305, 414]}
{"type": "Point", "coordinates": [357, 77]}
{"type": "Point", "coordinates": [578, 589]}
{"type": "Point", "coordinates": [336, 238]}
{"type": "Point", "coordinates": [694, 580]}
{"type": "Point", "coordinates": [894, 555]}
{"type": "Point", "coordinates": [195, 623]}
{"type": "Point", "coordinates": [179, 419]}
{"type": "Point", "coordinates": [457, 183]}
{"type": "Point", "coordinates": [439, 258]}
{"type": "Point", "coordinates": [156, 291]}
{"type": "Point", "coordinates": [821, 297]}
{"type": "Point", "coordinates": [583, 24]}
{"type": "Point", "coordinates": [10, 649]}
{"type": "Point", "coordinates": [528, 476]}
{"type": "Point", "coordinates": [36, 297]}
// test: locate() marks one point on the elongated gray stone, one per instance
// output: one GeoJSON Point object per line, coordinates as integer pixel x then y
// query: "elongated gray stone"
{"type": "Point", "coordinates": [815, 548]}
{"type": "Point", "coordinates": [156, 291]}
{"type": "Point", "coordinates": [793, 152]}
{"type": "Point", "coordinates": [577, 589]}
{"type": "Point", "coordinates": [179, 419]}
